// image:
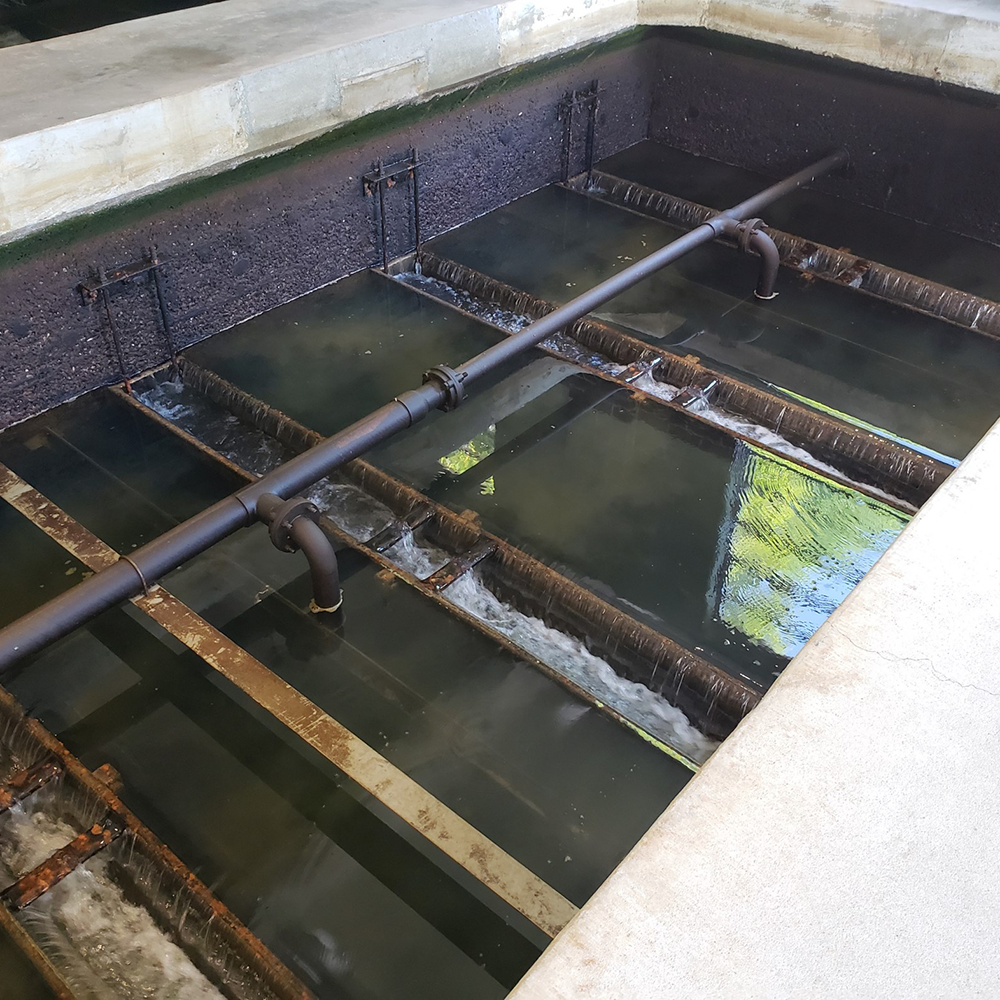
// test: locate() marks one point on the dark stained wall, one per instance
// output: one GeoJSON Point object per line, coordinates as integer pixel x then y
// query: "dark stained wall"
{"type": "Point", "coordinates": [240, 243]}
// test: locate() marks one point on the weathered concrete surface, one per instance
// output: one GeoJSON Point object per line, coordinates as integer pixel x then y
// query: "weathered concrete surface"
{"type": "Point", "coordinates": [280, 227]}
{"type": "Point", "coordinates": [842, 843]}
{"type": "Point", "coordinates": [134, 106]}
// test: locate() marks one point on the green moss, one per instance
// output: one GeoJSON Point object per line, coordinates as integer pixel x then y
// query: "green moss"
{"type": "Point", "coordinates": [136, 211]}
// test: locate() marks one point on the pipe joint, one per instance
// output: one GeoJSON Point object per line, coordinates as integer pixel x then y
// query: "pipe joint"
{"type": "Point", "coordinates": [752, 239]}
{"type": "Point", "coordinates": [293, 525]}
{"type": "Point", "coordinates": [450, 382]}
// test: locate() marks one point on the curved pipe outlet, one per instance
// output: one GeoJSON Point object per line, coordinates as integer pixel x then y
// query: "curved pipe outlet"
{"type": "Point", "coordinates": [318, 549]}
{"type": "Point", "coordinates": [752, 239]}
{"type": "Point", "coordinates": [770, 260]}
{"type": "Point", "coordinates": [292, 525]}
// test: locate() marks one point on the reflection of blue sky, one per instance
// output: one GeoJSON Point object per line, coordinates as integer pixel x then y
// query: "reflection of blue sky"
{"type": "Point", "coordinates": [792, 546]}
{"type": "Point", "coordinates": [858, 422]}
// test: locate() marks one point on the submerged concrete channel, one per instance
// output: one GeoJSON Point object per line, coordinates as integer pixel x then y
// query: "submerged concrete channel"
{"type": "Point", "coordinates": [561, 600]}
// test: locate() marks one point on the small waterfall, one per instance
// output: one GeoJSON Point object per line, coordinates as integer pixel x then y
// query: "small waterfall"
{"type": "Point", "coordinates": [362, 516]}
{"type": "Point", "coordinates": [105, 946]}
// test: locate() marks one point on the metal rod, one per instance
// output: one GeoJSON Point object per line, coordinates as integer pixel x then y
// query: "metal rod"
{"type": "Point", "coordinates": [414, 180]}
{"type": "Point", "coordinates": [126, 578]}
{"type": "Point", "coordinates": [381, 217]}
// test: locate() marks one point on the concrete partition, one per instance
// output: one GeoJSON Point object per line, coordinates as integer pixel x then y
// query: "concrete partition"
{"type": "Point", "coordinates": [99, 117]}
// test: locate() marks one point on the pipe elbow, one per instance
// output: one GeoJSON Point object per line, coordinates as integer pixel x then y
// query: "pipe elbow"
{"type": "Point", "coordinates": [323, 568]}
{"type": "Point", "coordinates": [770, 260]}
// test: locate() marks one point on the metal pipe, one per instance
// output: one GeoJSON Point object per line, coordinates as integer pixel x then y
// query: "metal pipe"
{"type": "Point", "coordinates": [770, 260]}
{"type": "Point", "coordinates": [443, 387]}
{"type": "Point", "coordinates": [318, 549]}
{"type": "Point", "coordinates": [292, 525]}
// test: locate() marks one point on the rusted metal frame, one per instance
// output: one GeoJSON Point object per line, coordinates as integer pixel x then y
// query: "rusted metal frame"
{"type": "Point", "coordinates": [26, 782]}
{"type": "Point", "coordinates": [866, 459]}
{"type": "Point", "coordinates": [839, 267]}
{"type": "Point", "coordinates": [460, 565]}
{"type": "Point", "coordinates": [419, 515]}
{"type": "Point", "coordinates": [714, 700]}
{"type": "Point", "coordinates": [221, 947]}
{"type": "Point", "coordinates": [424, 586]}
{"type": "Point", "coordinates": [646, 361]}
{"type": "Point", "coordinates": [63, 862]}
{"type": "Point", "coordinates": [97, 288]}
{"type": "Point", "coordinates": [459, 840]}
{"type": "Point", "coordinates": [11, 928]}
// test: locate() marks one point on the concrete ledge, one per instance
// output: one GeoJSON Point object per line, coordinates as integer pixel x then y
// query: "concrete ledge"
{"type": "Point", "coordinates": [133, 107]}
{"type": "Point", "coordinates": [842, 843]}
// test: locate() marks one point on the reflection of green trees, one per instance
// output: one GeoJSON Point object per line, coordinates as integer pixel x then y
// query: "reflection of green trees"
{"type": "Point", "coordinates": [797, 545]}
{"type": "Point", "coordinates": [471, 454]}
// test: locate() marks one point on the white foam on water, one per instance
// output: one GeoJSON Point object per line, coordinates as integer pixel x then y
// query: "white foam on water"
{"type": "Point", "coordinates": [106, 947]}
{"type": "Point", "coordinates": [570, 657]}
{"type": "Point", "coordinates": [362, 516]}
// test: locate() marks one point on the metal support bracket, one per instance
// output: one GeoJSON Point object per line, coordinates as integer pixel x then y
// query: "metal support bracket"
{"type": "Point", "coordinates": [460, 565]}
{"type": "Point", "coordinates": [27, 782]}
{"type": "Point", "coordinates": [374, 185]}
{"type": "Point", "coordinates": [394, 531]}
{"type": "Point", "coordinates": [64, 862]}
{"type": "Point", "coordinates": [96, 289]}
{"type": "Point", "coordinates": [589, 102]}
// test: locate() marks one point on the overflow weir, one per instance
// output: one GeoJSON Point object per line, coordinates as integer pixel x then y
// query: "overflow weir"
{"type": "Point", "coordinates": [571, 566]}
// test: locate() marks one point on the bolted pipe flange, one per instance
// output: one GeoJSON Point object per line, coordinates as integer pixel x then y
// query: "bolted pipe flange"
{"type": "Point", "coordinates": [745, 230]}
{"type": "Point", "coordinates": [450, 382]}
{"type": "Point", "coordinates": [280, 525]}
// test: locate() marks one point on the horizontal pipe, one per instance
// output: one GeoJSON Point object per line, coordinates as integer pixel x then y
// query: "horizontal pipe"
{"type": "Point", "coordinates": [135, 573]}
{"type": "Point", "coordinates": [837, 266]}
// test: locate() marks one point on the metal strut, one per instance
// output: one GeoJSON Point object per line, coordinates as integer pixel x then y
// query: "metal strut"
{"type": "Point", "coordinates": [384, 176]}
{"type": "Point", "coordinates": [62, 614]}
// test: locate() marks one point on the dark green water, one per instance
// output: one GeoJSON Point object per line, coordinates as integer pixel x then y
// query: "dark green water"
{"type": "Point", "coordinates": [636, 503]}
{"type": "Point", "coordinates": [916, 377]}
{"type": "Point", "coordinates": [356, 904]}
{"type": "Point", "coordinates": [331, 357]}
{"type": "Point", "coordinates": [953, 260]}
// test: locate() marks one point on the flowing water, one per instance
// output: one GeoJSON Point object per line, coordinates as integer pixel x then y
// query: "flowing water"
{"type": "Point", "coordinates": [273, 828]}
{"type": "Point", "coordinates": [920, 378]}
{"type": "Point", "coordinates": [362, 517]}
{"type": "Point", "coordinates": [929, 251]}
{"type": "Point", "coordinates": [105, 947]}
